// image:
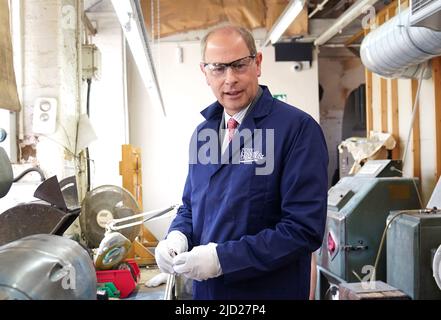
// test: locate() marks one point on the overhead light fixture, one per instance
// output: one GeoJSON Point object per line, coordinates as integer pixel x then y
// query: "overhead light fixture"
{"type": "Point", "coordinates": [290, 13]}
{"type": "Point", "coordinates": [130, 16]}
{"type": "Point", "coordinates": [344, 20]}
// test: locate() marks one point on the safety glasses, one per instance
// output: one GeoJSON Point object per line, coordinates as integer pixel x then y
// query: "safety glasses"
{"type": "Point", "coordinates": [238, 66]}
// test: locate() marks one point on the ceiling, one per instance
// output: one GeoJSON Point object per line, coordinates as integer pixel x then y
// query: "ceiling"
{"type": "Point", "coordinates": [187, 20]}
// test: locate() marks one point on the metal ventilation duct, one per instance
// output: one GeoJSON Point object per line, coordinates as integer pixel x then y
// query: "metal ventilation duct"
{"type": "Point", "coordinates": [426, 13]}
{"type": "Point", "coordinates": [395, 49]}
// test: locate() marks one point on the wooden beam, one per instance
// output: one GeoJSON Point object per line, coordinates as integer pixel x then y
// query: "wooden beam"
{"type": "Point", "coordinates": [416, 147]}
{"type": "Point", "coordinates": [390, 9]}
{"type": "Point", "coordinates": [355, 37]}
{"type": "Point", "coordinates": [390, 13]}
{"type": "Point", "coordinates": [369, 111]}
{"type": "Point", "coordinates": [383, 92]}
{"type": "Point", "coordinates": [130, 170]}
{"type": "Point", "coordinates": [396, 152]}
{"type": "Point", "coordinates": [436, 73]}
{"type": "Point", "coordinates": [383, 105]}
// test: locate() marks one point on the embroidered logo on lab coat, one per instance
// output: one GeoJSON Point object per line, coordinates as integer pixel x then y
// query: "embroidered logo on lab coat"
{"type": "Point", "coordinates": [248, 155]}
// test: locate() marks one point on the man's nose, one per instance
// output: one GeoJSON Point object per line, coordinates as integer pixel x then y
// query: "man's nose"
{"type": "Point", "coordinates": [230, 76]}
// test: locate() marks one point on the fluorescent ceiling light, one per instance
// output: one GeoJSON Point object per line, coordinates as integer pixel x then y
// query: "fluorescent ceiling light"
{"type": "Point", "coordinates": [130, 17]}
{"type": "Point", "coordinates": [290, 13]}
{"type": "Point", "coordinates": [361, 6]}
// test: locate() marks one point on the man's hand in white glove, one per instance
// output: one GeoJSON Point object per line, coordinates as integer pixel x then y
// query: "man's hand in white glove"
{"type": "Point", "coordinates": [175, 243]}
{"type": "Point", "coordinates": [201, 263]}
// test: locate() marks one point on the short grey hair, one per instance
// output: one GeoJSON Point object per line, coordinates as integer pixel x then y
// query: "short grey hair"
{"type": "Point", "coordinates": [246, 35]}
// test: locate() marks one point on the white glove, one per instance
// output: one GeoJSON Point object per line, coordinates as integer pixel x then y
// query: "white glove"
{"type": "Point", "coordinates": [175, 243]}
{"type": "Point", "coordinates": [201, 263]}
{"type": "Point", "coordinates": [157, 280]}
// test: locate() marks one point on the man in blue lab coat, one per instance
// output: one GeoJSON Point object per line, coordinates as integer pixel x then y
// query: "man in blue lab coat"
{"type": "Point", "coordinates": [254, 203]}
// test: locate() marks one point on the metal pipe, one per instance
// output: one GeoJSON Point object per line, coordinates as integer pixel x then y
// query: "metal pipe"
{"type": "Point", "coordinates": [168, 294]}
{"type": "Point", "coordinates": [171, 280]}
{"type": "Point", "coordinates": [395, 49]}
{"type": "Point", "coordinates": [112, 226]}
{"type": "Point", "coordinates": [341, 45]}
{"type": "Point", "coordinates": [318, 8]}
{"type": "Point", "coordinates": [345, 19]}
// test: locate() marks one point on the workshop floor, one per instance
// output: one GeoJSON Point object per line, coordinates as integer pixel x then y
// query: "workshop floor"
{"type": "Point", "coordinates": [142, 292]}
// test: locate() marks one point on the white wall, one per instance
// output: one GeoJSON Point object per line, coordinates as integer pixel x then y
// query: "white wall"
{"type": "Point", "coordinates": [338, 77]}
{"type": "Point", "coordinates": [164, 141]}
{"type": "Point", "coordinates": [107, 102]}
{"type": "Point", "coordinates": [50, 69]}
{"type": "Point", "coordinates": [300, 87]}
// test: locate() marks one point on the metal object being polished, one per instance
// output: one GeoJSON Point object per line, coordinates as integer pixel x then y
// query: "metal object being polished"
{"type": "Point", "coordinates": [170, 287]}
{"type": "Point", "coordinates": [46, 267]}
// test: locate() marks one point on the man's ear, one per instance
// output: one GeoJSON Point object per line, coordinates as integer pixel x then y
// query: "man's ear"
{"type": "Point", "coordinates": [204, 72]}
{"type": "Point", "coordinates": [259, 59]}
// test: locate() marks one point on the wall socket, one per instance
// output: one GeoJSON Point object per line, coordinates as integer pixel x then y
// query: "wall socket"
{"type": "Point", "coordinates": [45, 116]}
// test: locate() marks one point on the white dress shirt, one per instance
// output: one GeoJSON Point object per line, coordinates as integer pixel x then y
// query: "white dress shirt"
{"type": "Point", "coordinates": [239, 118]}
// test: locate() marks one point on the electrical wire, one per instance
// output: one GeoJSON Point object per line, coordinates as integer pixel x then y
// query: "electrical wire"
{"type": "Point", "coordinates": [89, 84]}
{"type": "Point", "coordinates": [383, 237]}
{"type": "Point", "coordinates": [415, 108]}
{"type": "Point", "coordinates": [33, 169]}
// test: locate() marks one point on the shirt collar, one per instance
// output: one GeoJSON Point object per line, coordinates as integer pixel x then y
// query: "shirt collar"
{"type": "Point", "coordinates": [238, 116]}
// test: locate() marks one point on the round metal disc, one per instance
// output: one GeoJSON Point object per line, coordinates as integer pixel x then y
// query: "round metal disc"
{"type": "Point", "coordinates": [112, 250]}
{"type": "Point", "coordinates": [103, 204]}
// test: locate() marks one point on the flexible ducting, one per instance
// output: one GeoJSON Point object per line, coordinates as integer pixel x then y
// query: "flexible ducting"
{"type": "Point", "coordinates": [395, 49]}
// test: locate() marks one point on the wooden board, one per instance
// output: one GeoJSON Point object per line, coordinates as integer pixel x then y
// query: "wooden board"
{"type": "Point", "coordinates": [378, 290]}
{"type": "Point", "coordinates": [130, 169]}
{"type": "Point", "coordinates": [383, 105]}
{"type": "Point", "coordinates": [416, 146]}
{"type": "Point", "coordinates": [436, 71]}
{"type": "Point", "coordinates": [8, 88]}
{"type": "Point", "coordinates": [396, 152]}
{"type": "Point", "coordinates": [369, 111]}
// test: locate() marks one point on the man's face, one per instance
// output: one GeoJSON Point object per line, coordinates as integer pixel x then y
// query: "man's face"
{"type": "Point", "coordinates": [234, 88]}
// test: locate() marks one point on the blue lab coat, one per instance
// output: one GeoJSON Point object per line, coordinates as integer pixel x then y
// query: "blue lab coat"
{"type": "Point", "coordinates": [266, 225]}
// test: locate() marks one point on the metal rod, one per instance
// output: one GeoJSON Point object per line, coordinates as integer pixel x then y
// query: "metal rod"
{"type": "Point", "coordinates": [168, 294]}
{"type": "Point", "coordinates": [344, 20]}
{"type": "Point", "coordinates": [318, 8]}
{"type": "Point", "coordinates": [153, 214]}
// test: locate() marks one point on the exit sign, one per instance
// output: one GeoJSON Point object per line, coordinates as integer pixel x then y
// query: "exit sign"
{"type": "Point", "coordinates": [283, 97]}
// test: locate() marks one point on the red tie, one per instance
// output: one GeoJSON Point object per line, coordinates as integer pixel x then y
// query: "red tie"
{"type": "Point", "coordinates": [231, 125]}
